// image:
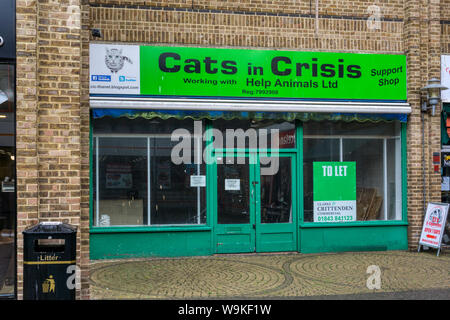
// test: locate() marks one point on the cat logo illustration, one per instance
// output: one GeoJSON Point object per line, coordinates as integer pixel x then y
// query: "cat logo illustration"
{"type": "Point", "coordinates": [435, 216]}
{"type": "Point", "coordinates": [48, 285]}
{"type": "Point", "coordinates": [115, 60]}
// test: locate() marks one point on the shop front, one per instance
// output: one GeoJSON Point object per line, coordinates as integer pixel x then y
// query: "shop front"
{"type": "Point", "coordinates": [198, 151]}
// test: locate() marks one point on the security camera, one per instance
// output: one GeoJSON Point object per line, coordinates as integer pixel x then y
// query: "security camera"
{"type": "Point", "coordinates": [96, 33]}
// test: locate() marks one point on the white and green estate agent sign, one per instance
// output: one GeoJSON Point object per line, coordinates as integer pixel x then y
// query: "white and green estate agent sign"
{"type": "Point", "coordinates": [334, 187]}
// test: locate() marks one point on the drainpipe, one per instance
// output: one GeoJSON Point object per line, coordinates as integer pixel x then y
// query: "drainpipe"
{"type": "Point", "coordinates": [423, 159]}
{"type": "Point", "coordinates": [317, 18]}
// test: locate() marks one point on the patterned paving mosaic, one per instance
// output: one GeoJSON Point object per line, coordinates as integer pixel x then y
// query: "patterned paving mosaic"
{"type": "Point", "coordinates": [267, 275]}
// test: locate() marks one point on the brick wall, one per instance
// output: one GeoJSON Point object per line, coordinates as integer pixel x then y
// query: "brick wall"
{"type": "Point", "coordinates": [85, 151]}
{"type": "Point", "coordinates": [445, 26]}
{"type": "Point", "coordinates": [422, 45]}
{"type": "Point", "coordinates": [52, 135]}
{"type": "Point", "coordinates": [390, 9]}
{"type": "Point", "coordinates": [26, 125]}
{"type": "Point", "coordinates": [216, 26]}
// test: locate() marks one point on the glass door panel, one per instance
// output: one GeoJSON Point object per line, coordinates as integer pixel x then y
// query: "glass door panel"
{"type": "Point", "coordinates": [234, 229]}
{"type": "Point", "coordinates": [276, 193]}
{"type": "Point", "coordinates": [233, 197]}
{"type": "Point", "coordinates": [276, 230]}
{"type": "Point", "coordinates": [256, 206]}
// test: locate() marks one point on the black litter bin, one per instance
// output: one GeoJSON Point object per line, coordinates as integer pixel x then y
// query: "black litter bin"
{"type": "Point", "coordinates": [49, 261]}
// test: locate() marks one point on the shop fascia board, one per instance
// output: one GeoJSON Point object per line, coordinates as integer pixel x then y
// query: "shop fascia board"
{"type": "Point", "coordinates": [250, 105]}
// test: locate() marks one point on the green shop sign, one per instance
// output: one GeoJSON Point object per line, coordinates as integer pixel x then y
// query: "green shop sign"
{"type": "Point", "coordinates": [241, 73]}
{"type": "Point", "coordinates": [334, 187]}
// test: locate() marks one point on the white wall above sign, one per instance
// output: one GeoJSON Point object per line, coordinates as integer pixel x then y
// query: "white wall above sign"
{"type": "Point", "coordinates": [114, 69]}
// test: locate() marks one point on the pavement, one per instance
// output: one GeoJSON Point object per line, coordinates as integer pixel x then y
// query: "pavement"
{"type": "Point", "coordinates": [351, 275]}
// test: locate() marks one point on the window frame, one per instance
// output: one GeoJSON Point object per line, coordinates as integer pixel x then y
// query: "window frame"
{"type": "Point", "coordinates": [11, 63]}
{"type": "Point", "coordinates": [210, 196]}
{"type": "Point", "coordinates": [403, 175]}
{"type": "Point", "coordinates": [95, 228]}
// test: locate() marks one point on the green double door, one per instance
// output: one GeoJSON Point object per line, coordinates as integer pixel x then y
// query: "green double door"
{"type": "Point", "coordinates": [256, 207]}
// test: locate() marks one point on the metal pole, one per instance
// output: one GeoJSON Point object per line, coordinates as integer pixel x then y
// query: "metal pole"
{"type": "Point", "coordinates": [385, 184]}
{"type": "Point", "coordinates": [97, 188]}
{"type": "Point", "coordinates": [317, 18]}
{"type": "Point", "coordinates": [423, 160]}
{"type": "Point", "coordinates": [198, 173]}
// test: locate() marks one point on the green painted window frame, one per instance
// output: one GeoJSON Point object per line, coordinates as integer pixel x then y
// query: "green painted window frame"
{"type": "Point", "coordinates": [210, 196]}
{"type": "Point", "coordinates": [145, 228]}
{"type": "Point", "coordinates": [402, 222]}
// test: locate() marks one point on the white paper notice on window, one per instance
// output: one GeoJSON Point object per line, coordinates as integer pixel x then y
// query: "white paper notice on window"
{"type": "Point", "coordinates": [445, 185]}
{"type": "Point", "coordinates": [232, 184]}
{"type": "Point", "coordinates": [198, 181]}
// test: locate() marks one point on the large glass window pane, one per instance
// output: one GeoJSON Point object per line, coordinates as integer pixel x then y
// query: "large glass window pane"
{"type": "Point", "coordinates": [166, 154]}
{"type": "Point", "coordinates": [315, 149]}
{"type": "Point", "coordinates": [318, 128]}
{"type": "Point", "coordinates": [121, 181]}
{"type": "Point", "coordinates": [394, 176]}
{"type": "Point", "coordinates": [233, 191]}
{"type": "Point", "coordinates": [7, 178]}
{"type": "Point", "coordinates": [370, 177]}
{"type": "Point", "coordinates": [142, 126]}
{"type": "Point", "coordinates": [173, 199]}
{"type": "Point", "coordinates": [276, 193]}
{"type": "Point", "coordinates": [376, 150]}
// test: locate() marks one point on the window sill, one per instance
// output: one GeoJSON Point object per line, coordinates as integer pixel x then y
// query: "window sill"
{"type": "Point", "coordinates": [169, 228]}
{"type": "Point", "coordinates": [353, 224]}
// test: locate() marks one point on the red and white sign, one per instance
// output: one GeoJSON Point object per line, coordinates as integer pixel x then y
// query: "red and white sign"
{"type": "Point", "coordinates": [433, 225]}
{"type": "Point", "coordinates": [287, 139]}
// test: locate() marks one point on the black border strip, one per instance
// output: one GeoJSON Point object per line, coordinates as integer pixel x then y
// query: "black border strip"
{"type": "Point", "coordinates": [263, 99]}
{"type": "Point", "coordinates": [12, 63]}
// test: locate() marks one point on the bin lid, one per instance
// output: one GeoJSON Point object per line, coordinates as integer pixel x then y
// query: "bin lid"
{"type": "Point", "coordinates": [51, 227]}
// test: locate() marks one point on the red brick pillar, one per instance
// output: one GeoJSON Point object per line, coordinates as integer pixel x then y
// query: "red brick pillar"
{"type": "Point", "coordinates": [53, 123]}
{"type": "Point", "coordinates": [422, 47]}
{"type": "Point", "coordinates": [26, 125]}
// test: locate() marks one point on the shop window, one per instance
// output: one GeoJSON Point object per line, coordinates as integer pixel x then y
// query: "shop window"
{"type": "Point", "coordinates": [276, 194]}
{"type": "Point", "coordinates": [8, 181]}
{"type": "Point", "coordinates": [445, 125]}
{"type": "Point", "coordinates": [375, 148]}
{"type": "Point", "coordinates": [137, 180]}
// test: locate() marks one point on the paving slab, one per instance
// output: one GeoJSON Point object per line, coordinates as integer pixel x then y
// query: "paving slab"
{"type": "Point", "coordinates": [261, 276]}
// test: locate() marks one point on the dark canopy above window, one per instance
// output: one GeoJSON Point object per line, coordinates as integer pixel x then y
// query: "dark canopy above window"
{"type": "Point", "coordinates": [228, 115]}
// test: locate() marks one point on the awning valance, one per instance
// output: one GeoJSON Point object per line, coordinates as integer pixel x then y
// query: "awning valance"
{"type": "Point", "coordinates": [213, 115]}
{"type": "Point", "coordinates": [252, 109]}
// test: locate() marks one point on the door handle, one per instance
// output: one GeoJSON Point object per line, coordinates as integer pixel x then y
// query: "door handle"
{"type": "Point", "coordinates": [254, 226]}
{"type": "Point", "coordinates": [255, 182]}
